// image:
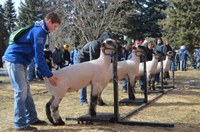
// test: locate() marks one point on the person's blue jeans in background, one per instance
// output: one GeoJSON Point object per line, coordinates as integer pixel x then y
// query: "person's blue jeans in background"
{"type": "Point", "coordinates": [125, 84]}
{"type": "Point", "coordinates": [83, 95]}
{"type": "Point", "coordinates": [157, 77]}
{"type": "Point", "coordinates": [184, 65]}
{"type": "Point", "coordinates": [142, 81]}
{"type": "Point", "coordinates": [24, 107]}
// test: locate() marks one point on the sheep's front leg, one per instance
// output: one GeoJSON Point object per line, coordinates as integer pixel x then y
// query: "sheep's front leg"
{"type": "Point", "coordinates": [93, 104]}
{"type": "Point", "coordinates": [55, 113]}
{"type": "Point", "coordinates": [153, 83]}
{"type": "Point", "coordinates": [95, 91]}
{"type": "Point", "coordinates": [149, 84]}
{"type": "Point", "coordinates": [131, 88]}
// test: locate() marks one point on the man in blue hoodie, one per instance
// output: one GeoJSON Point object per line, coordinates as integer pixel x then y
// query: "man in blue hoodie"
{"type": "Point", "coordinates": [183, 55]}
{"type": "Point", "coordinates": [198, 57]}
{"type": "Point", "coordinates": [17, 57]}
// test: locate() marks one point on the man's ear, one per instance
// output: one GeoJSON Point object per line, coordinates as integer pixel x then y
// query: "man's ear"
{"type": "Point", "coordinates": [49, 21]}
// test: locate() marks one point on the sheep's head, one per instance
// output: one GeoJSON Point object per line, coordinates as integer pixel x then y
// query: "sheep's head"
{"type": "Point", "coordinates": [108, 46]}
{"type": "Point", "coordinates": [139, 50]}
{"type": "Point", "coordinates": [170, 54]}
{"type": "Point", "coordinates": [159, 55]}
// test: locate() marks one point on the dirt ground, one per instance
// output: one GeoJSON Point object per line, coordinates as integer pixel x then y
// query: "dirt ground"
{"type": "Point", "coordinates": [180, 106]}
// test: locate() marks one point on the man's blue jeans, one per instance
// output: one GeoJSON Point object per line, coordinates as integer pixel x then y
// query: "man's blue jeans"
{"type": "Point", "coordinates": [31, 71]}
{"type": "Point", "coordinates": [142, 81]}
{"type": "Point", "coordinates": [24, 107]}
{"type": "Point", "coordinates": [157, 77]}
{"type": "Point", "coordinates": [184, 65]}
{"type": "Point", "coordinates": [83, 95]}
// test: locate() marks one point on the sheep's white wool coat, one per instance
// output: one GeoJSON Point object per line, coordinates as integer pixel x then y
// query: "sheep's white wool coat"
{"type": "Point", "coordinates": [166, 63]}
{"type": "Point", "coordinates": [150, 67]}
{"type": "Point", "coordinates": [75, 77]}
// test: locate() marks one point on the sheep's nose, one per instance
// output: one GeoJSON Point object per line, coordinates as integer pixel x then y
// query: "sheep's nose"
{"type": "Point", "coordinates": [109, 41]}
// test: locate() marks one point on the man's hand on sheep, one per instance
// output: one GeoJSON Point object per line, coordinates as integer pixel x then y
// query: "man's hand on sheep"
{"type": "Point", "coordinates": [53, 80]}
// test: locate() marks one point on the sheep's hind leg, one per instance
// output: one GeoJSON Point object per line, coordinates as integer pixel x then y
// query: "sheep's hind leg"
{"type": "Point", "coordinates": [153, 84]}
{"type": "Point", "coordinates": [100, 101]}
{"type": "Point", "coordinates": [149, 85]}
{"type": "Point", "coordinates": [48, 110]}
{"type": "Point", "coordinates": [55, 113]}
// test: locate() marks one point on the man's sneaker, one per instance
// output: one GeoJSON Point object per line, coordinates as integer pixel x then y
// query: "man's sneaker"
{"type": "Point", "coordinates": [28, 128]}
{"type": "Point", "coordinates": [84, 104]}
{"type": "Point", "coordinates": [39, 122]}
{"type": "Point", "coordinates": [124, 91]}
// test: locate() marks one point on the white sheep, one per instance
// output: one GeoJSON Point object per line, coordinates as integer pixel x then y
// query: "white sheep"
{"type": "Point", "coordinates": [127, 68]}
{"type": "Point", "coordinates": [130, 68]}
{"type": "Point", "coordinates": [166, 65]}
{"type": "Point", "coordinates": [74, 77]}
{"type": "Point", "coordinates": [166, 62]}
{"type": "Point", "coordinates": [150, 68]}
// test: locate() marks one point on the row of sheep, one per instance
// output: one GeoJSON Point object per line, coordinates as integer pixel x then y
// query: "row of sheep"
{"type": "Point", "coordinates": [98, 73]}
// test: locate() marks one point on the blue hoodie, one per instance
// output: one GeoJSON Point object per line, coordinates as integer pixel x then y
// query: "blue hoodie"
{"type": "Point", "coordinates": [183, 54]}
{"type": "Point", "coordinates": [30, 46]}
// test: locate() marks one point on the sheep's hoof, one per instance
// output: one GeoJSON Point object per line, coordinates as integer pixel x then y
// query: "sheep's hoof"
{"type": "Point", "coordinates": [48, 113]}
{"type": "Point", "coordinates": [60, 122]}
{"type": "Point", "coordinates": [101, 103]}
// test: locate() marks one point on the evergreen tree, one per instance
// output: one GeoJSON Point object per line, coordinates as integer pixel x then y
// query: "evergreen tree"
{"type": "Point", "coordinates": [10, 15]}
{"type": "Point", "coordinates": [182, 23]}
{"type": "Point", "coordinates": [3, 34]}
{"type": "Point", "coordinates": [31, 11]}
{"type": "Point", "coordinates": [150, 13]}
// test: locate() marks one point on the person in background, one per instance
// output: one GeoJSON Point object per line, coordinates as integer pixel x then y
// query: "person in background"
{"type": "Point", "coordinates": [183, 55]}
{"type": "Point", "coordinates": [57, 56]}
{"type": "Point", "coordinates": [66, 55]}
{"type": "Point", "coordinates": [162, 49]}
{"type": "Point", "coordinates": [166, 73]}
{"type": "Point", "coordinates": [74, 54]}
{"type": "Point", "coordinates": [1, 66]}
{"type": "Point", "coordinates": [198, 57]}
{"type": "Point", "coordinates": [48, 56]}
{"type": "Point", "coordinates": [33, 73]}
{"type": "Point", "coordinates": [149, 45]}
{"type": "Point", "coordinates": [17, 57]}
{"type": "Point", "coordinates": [91, 51]}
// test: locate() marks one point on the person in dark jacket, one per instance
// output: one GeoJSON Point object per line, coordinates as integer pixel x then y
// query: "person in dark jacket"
{"type": "Point", "coordinates": [66, 55]}
{"type": "Point", "coordinates": [166, 73]}
{"type": "Point", "coordinates": [57, 55]}
{"type": "Point", "coordinates": [48, 56]}
{"type": "Point", "coordinates": [90, 51]}
{"type": "Point", "coordinates": [162, 49]}
{"type": "Point", "coordinates": [17, 57]}
{"type": "Point", "coordinates": [149, 45]}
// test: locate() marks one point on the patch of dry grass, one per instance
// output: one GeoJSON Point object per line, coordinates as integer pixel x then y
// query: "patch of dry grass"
{"type": "Point", "coordinates": [180, 106]}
